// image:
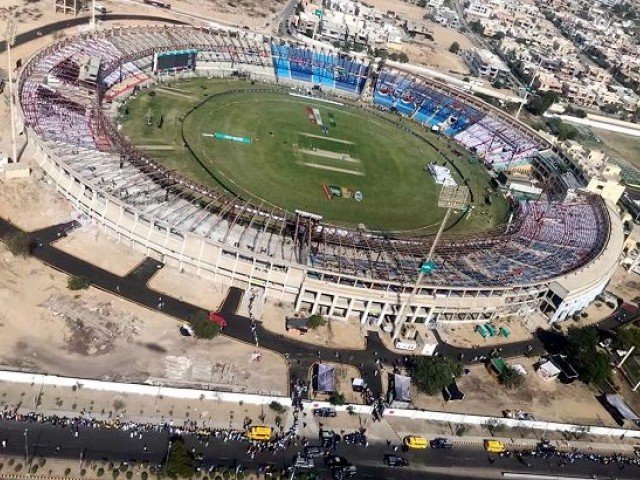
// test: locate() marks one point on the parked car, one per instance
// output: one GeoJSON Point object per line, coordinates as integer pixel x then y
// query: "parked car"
{"type": "Point", "coordinates": [302, 462]}
{"type": "Point", "coordinates": [494, 446]}
{"type": "Point", "coordinates": [336, 461]}
{"type": "Point", "coordinates": [325, 412]}
{"type": "Point", "coordinates": [314, 451]}
{"type": "Point", "coordinates": [414, 443]}
{"type": "Point", "coordinates": [328, 438]}
{"type": "Point", "coordinates": [216, 317]}
{"type": "Point", "coordinates": [355, 438]}
{"type": "Point", "coordinates": [340, 473]}
{"type": "Point", "coordinates": [395, 461]}
{"type": "Point", "coordinates": [546, 447]}
{"type": "Point", "coordinates": [440, 443]}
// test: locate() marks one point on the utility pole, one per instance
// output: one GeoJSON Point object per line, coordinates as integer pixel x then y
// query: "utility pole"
{"type": "Point", "coordinates": [10, 38]}
{"type": "Point", "coordinates": [451, 197]}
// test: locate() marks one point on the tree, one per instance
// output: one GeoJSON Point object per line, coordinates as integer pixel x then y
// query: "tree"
{"type": "Point", "coordinates": [592, 364]}
{"type": "Point", "coordinates": [78, 283]}
{"type": "Point", "coordinates": [510, 378]}
{"type": "Point", "coordinates": [455, 47]}
{"type": "Point", "coordinates": [540, 103]}
{"type": "Point", "coordinates": [626, 338]}
{"type": "Point", "coordinates": [180, 462]}
{"type": "Point", "coordinates": [19, 244]}
{"type": "Point", "coordinates": [432, 374]}
{"type": "Point", "coordinates": [383, 53]}
{"type": "Point", "coordinates": [315, 321]}
{"type": "Point", "coordinates": [202, 326]}
{"type": "Point", "coordinates": [277, 407]}
{"type": "Point", "coordinates": [399, 57]}
{"type": "Point", "coordinates": [562, 130]}
{"type": "Point", "coordinates": [477, 27]}
{"type": "Point", "coordinates": [337, 398]}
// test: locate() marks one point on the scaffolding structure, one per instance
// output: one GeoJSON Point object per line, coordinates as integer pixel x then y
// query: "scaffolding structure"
{"type": "Point", "coordinates": [68, 7]}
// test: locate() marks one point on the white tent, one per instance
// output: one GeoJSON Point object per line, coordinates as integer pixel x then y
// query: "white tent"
{"type": "Point", "coordinates": [548, 371]}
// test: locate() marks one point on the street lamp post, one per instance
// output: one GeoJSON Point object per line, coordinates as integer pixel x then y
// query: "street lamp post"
{"type": "Point", "coordinates": [10, 38]}
{"type": "Point", "coordinates": [26, 444]}
{"type": "Point", "coordinates": [451, 197]}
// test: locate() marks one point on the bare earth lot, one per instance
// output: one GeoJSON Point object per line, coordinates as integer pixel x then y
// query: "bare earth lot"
{"type": "Point", "coordinates": [335, 334]}
{"type": "Point", "coordinates": [626, 147]}
{"type": "Point", "coordinates": [46, 328]}
{"type": "Point", "coordinates": [548, 401]}
{"type": "Point", "coordinates": [94, 246]}
{"type": "Point", "coordinates": [197, 291]}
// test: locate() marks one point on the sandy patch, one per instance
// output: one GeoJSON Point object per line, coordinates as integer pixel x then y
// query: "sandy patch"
{"type": "Point", "coordinates": [31, 203]}
{"type": "Point", "coordinates": [550, 401]}
{"type": "Point", "coordinates": [625, 285]}
{"type": "Point", "coordinates": [46, 328]}
{"type": "Point", "coordinates": [94, 246]}
{"type": "Point", "coordinates": [436, 56]}
{"type": "Point", "coordinates": [335, 334]}
{"type": "Point", "coordinates": [190, 288]}
{"type": "Point", "coordinates": [466, 336]}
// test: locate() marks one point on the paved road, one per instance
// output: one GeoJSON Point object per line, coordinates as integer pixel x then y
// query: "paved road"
{"type": "Point", "coordinates": [30, 35]}
{"type": "Point", "coordinates": [464, 462]}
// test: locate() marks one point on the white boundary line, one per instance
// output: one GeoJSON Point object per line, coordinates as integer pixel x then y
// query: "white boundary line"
{"type": "Point", "coordinates": [307, 97]}
{"type": "Point", "coordinates": [195, 394]}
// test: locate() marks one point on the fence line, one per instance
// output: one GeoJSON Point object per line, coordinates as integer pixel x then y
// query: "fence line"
{"type": "Point", "coordinates": [255, 399]}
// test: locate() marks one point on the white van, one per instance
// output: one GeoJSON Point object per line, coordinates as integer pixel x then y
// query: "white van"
{"type": "Point", "coordinates": [409, 345]}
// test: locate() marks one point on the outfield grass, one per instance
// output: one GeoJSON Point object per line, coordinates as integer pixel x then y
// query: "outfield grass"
{"type": "Point", "coordinates": [362, 152]}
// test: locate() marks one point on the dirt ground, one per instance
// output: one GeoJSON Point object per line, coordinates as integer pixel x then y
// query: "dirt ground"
{"type": "Point", "coordinates": [249, 13]}
{"type": "Point", "coordinates": [190, 288]}
{"type": "Point", "coordinates": [625, 285]}
{"type": "Point", "coordinates": [465, 335]}
{"type": "Point", "coordinates": [131, 407]}
{"type": "Point", "coordinates": [94, 246]}
{"type": "Point", "coordinates": [31, 203]}
{"type": "Point", "coordinates": [46, 328]}
{"type": "Point", "coordinates": [430, 54]}
{"type": "Point", "coordinates": [619, 145]}
{"type": "Point", "coordinates": [549, 401]}
{"type": "Point", "coordinates": [335, 334]}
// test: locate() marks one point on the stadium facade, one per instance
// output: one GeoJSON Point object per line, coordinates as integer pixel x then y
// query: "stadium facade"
{"type": "Point", "coordinates": [554, 255]}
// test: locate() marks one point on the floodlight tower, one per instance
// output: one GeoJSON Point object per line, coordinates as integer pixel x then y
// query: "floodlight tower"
{"type": "Point", "coordinates": [92, 22]}
{"type": "Point", "coordinates": [10, 38]}
{"type": "Point", "coordinates": [452, 197]}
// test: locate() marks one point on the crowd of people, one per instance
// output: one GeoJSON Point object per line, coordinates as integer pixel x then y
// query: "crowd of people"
{"type": "Point", "coordinates": [283, 439]}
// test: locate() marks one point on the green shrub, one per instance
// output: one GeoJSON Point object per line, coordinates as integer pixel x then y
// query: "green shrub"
{"type": "Point", "coordinates": [78, 283]}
